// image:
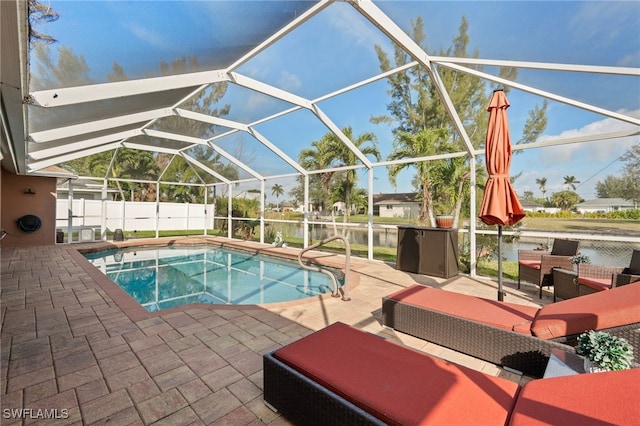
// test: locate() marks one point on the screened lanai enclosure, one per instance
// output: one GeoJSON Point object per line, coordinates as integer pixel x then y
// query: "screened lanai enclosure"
{"type": "Point", "coordinates": [315, 117]}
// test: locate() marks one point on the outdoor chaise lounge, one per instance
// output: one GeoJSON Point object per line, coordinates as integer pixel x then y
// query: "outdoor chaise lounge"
{"type": "Point", "coordinates": [509, 334]}
{"type": "Point", "coordinates": [536, 266]}
{"type": "Point", "coordinates": [344, 376]}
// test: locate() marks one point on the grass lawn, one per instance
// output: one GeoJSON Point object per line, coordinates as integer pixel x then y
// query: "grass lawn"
{"type": "Point", "coordinates": [581, 224]}
{"type": "Point", "coordinates": [489, 268]}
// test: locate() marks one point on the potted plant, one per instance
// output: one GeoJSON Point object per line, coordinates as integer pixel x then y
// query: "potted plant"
{"type": "Point", "coordinates": [578, 259]}
{"type": "Point", "coordinates": [604, 352]}
{"type": "Point", "coordinates": [444, 221]}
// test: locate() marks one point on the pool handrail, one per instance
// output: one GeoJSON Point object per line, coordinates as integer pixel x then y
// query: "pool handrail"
{"type": "Point", "coordinates": [337, 291]}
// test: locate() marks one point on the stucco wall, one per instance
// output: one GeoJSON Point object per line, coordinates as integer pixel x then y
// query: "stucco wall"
{"type": "Point", "coordinates": [15, 203]}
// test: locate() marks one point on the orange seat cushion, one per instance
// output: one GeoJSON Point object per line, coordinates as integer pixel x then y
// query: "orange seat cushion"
{"type": "Point", "coordinates": [533, 264]}
{"type": "Point", "coordinates": [597, 311]}
{"type": "Point", "coordinates": [396, 384]}
{"type": "Point", "coordinates": [587, 399]}
{"type": "Point", "coordinates": [599, 284]}
{"type": "Point", "coordinates": [509, 316]}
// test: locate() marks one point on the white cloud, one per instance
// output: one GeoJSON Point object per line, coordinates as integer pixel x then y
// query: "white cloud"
{"type": "Point", "coordinates": [598, 150]}
{"type": "Point", "coordinates": [148, 36]}
{"type": "Point", "coordinates": [256, 100]}
{"type": "Point", "coordinates": [587, 22]}
{"type": "Point", "coordinates": [289, 82]}
{"type": "Point", "coordinates": [629, 60]}
{"type": "Point", "coordinates": [352, 26]}
{"type": "Point", "coordinates": [589, 162]}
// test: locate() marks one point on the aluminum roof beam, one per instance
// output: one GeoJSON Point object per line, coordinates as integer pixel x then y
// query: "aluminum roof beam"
{"type": "Point", "coordinates": [391, 30]}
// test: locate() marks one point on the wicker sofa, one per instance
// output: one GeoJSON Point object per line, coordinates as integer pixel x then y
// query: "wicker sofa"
{"type": "Point", "coordinates": [516, 336]}
{"type": "Point", "coordinates": [344, 376]}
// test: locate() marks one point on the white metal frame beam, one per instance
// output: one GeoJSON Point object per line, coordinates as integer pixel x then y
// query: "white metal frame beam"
{"type": "Point", "coordinates": [374, 15]}
{"type": "Point", "coordinates": [37, 153]}
{"type": "Point", "coordinates": [98, 92]}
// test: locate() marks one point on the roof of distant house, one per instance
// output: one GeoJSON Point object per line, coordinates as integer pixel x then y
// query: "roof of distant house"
{"type": "Point", "coordinates": [606, 202]}
{"type": "Point", "coordinates": [84, 185]}
{"type": "Point", "coordinates": [405, 197]}
{"type": "Point", "coordinates": [529, 203]}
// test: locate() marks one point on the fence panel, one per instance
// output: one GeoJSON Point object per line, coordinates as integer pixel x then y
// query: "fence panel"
{"type": "Point", "coordinates": [133, 215]}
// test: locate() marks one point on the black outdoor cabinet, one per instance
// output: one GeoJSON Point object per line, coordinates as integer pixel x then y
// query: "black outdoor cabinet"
{"type": "Point", "coordinates": [428, 251]}
{"type": "Point", "coordinates": [408, 251]}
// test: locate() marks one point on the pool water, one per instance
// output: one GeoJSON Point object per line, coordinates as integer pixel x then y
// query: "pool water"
{"type": "Point", "coordinates": [168, 276]}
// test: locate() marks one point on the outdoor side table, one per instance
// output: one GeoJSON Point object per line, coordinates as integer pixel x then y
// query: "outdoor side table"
{"type": "Point", "coordinates": [563, 363]}
{"type": "Point", "coordinates": [565, 284]}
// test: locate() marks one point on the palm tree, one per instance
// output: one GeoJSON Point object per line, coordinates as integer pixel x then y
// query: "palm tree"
{"type": "Point", "coordinates": [422, 144]}
{"type": "Point", "coordinates": [318, 158]}
{"type": "Point", "coordinates": [343, 156]}
{"type": "Point", "coordinates": [571, 182]}
{"type": "Point", "coordinates": [277, 190]}
{"type": "Point", "coordinates": [542, 183]}
{"type": "Point", "coordinates": [134, 164]}
{"type": "Point", "coordinates": [452, 183]}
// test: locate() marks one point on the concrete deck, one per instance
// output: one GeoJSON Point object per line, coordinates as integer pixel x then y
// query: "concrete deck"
{"type": "Point", "coordinates": [76, 345]}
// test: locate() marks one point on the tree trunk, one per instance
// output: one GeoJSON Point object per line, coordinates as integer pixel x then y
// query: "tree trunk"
{"type": "Point", "coordinates": [456, 214]}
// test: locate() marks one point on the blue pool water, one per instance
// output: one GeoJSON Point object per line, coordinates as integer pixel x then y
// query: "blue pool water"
{"type": "Point", "coordinates": [162, 277]}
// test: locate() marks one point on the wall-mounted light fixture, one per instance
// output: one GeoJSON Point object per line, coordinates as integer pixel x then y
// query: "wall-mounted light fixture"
{"type": "Point", "coordinates": [30, 191]}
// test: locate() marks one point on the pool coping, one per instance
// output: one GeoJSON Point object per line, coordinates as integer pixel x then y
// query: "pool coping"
{"type": "Point", "coordinates": [137, 312]}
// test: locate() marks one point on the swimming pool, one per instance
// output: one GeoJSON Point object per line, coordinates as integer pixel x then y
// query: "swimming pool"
{"type": "Point", "coordinates": [162, 277]}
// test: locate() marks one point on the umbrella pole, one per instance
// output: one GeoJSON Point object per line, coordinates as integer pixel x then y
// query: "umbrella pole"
{"type": "Point", "coordinates": [500, 293]}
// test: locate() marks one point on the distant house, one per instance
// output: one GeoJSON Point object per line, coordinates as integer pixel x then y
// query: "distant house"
{"type": "Point", "coordinates": [604, 205]}
{"type": "Point", "coordinates": [404, 205]}
{"type": "Point", "coordinates": [531, 206]}
{"type": "Point", "coordinates": [84, 188]}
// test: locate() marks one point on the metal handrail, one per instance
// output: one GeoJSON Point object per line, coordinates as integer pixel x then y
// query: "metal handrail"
{"type": "Point", "coordinates": [337, 291]}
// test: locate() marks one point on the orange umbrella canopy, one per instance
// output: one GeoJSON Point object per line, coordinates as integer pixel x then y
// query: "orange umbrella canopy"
{"type": "Point", "coordinates": [500, 204]}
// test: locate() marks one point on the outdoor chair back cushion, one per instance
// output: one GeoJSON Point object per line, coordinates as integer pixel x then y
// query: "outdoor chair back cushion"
{"type": "Point", "coordinates": [509, 316]}
{"type": "Point", "coordinates": [605, 309]}
{"type": "Point", "coordinates": [584, 399]}
{"type": "Point", "coordinates": [564, 247]}
{"type": "Point", "coordinates": [398, 385]}
{"type": "Point", "coordinates": [634, 265]}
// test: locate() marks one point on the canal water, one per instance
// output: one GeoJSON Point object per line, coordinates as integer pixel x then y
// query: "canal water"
{"type": "Point", "coordinates": [611, 253]}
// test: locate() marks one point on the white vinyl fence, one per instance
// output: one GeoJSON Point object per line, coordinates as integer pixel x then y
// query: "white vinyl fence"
{"type": "Point", "coordinates": [86, 216]}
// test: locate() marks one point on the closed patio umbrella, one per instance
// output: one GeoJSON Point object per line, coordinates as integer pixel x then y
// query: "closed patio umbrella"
{"type": "Point", "coordinates": [500, 204]}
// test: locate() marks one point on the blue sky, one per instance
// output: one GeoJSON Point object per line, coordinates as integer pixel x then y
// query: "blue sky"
{"type": "Point", "coordinates": [336, 48]}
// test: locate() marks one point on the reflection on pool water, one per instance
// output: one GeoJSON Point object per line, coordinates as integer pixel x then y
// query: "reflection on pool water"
{"type": "Point", "coordinates": [162, 277]}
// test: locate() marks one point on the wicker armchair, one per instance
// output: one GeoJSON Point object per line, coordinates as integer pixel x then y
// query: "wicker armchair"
{"type": "Point", "coordinates": [630, 274]}
{"type": "Point", "coordinates": [594, 278]}
{"type": "Point", "coordinates": [536, 266]}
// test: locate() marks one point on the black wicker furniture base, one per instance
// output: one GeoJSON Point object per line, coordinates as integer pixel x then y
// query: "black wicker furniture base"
{"type": "Point", "coordinates": [304, 402]}
{"type": "Point", "coordinates": [522, 352]}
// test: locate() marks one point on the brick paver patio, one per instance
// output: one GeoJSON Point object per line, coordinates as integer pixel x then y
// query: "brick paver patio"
{"type": "Point", "coordinates": [75, 347]}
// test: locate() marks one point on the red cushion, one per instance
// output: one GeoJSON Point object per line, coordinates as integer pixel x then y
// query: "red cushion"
{"type": "Point", "coordinates": [533, 264]}
{"type": "Point", "coordinates": [505, 315]}
{"type": "Point", "coordinates": [609, 398]}
{"type": "Point", "coordinates": [396, 384]}
{"type": "Point", "coordinates": [599, 284]}
{"type": "Point", "coordinates": [604, 309]}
